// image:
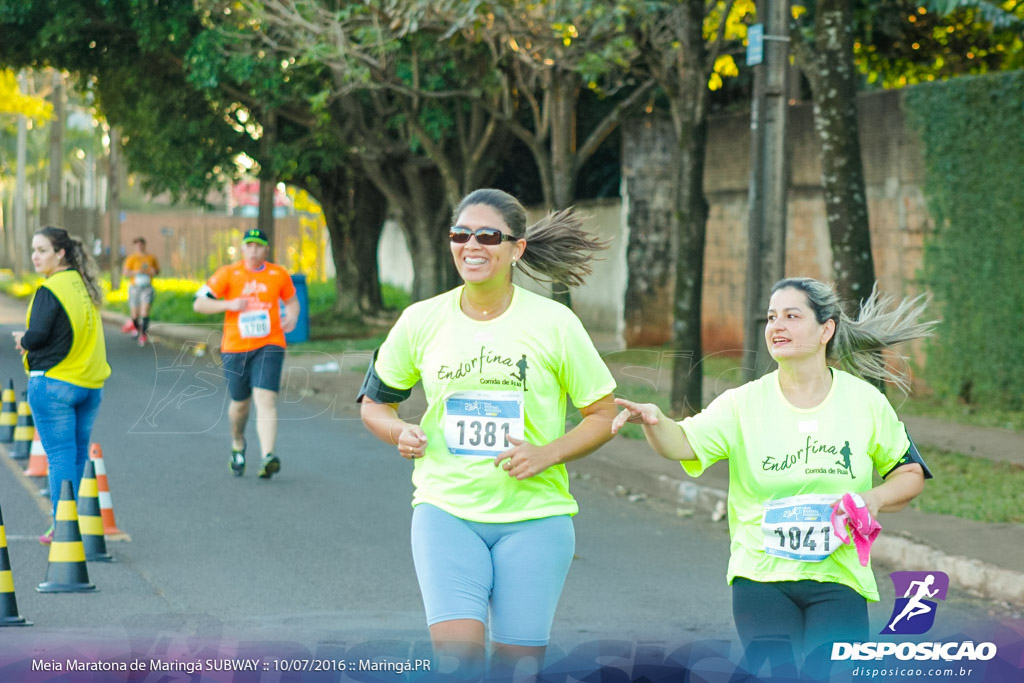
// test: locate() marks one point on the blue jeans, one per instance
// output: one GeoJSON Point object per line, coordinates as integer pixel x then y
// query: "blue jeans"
{"type": "Point", "coordinates": [63, 414]}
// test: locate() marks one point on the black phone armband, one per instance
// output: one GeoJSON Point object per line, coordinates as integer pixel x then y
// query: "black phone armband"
{"type": "Point", "coordinates": [376, 390]}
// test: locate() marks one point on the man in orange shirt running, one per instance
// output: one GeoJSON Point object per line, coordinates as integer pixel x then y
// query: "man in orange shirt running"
{"type": "Point", "coordinates": [252, 350]}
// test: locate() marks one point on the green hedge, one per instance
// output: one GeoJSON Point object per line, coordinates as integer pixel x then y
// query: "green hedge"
{"type": "Point", "coordinates": [972, 129]}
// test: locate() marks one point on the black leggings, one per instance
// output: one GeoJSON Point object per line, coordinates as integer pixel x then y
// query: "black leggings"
{"type": "Point", "coordinates": [785, 621]}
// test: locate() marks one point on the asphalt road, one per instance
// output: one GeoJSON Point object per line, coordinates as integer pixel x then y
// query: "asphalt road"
{"type": "Point", "coordinates": [315, 561]}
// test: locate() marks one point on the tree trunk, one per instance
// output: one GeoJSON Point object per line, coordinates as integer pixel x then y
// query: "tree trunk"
{"type": "Point", "coordinates": [833, 83]}
{"type": "Point", "coordinates": [564, 95]}
{"type": "Point", "coordinates": [369, 210]}
{"type": "Point", "coordinates": [650, 169]}
{"type": "Point", "coordinates": [354, 212]}
{"type": "Point", "coordinates": [114, 206]}
{"type": "Point", "coordinates": [268, 180]}
{"type": "Point", "coordinates": [415, 192]}
{"type": "Point", "coordinates": [689, 116]}
{"type": "Point", "coordinates": [691, 216]}
{"type": "Point", "coordinates": [54, 202]}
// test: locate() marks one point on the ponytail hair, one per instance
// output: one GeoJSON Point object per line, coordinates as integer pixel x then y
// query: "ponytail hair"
{"type": "Point", "coordinates": [857, 343]}
{"type": "Point", "coordinates": [77, 258]}
{"type": "Point", "coordinates": [558, 249]}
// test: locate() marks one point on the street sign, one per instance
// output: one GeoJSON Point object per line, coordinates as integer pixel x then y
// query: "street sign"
{"type": "Point", "coordinates": [755, 44]}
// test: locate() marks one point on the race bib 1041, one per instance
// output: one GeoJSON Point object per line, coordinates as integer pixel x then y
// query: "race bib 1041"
{"type": "Point", "coordinates": [480, 422]}
{"type": "Point", "coordinates": [799, 527]}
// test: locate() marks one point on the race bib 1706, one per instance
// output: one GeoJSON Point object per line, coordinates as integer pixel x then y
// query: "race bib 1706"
{"type": "Point", "coordinates": [799, 527]}
{"type": "Point", "coordinates": [480, 422]}
{"type": "Point", "coordinates": [254, 324]}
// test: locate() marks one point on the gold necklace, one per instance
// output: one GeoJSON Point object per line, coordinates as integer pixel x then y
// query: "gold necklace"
{"type": "Point", "coordinates": [502, 305]}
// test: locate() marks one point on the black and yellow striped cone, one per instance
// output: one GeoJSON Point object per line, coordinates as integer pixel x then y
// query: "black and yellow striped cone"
{"type": "Point", "coordinates": [90, 521]}
{"type": "Point", "coordinates": [8, 413]}
{"type": "Point", "coordinates": [23, 431]}
{"type": "Point", "coordinates": [66, 572]}
{"type": "Point", "coordinates": [8, 605]}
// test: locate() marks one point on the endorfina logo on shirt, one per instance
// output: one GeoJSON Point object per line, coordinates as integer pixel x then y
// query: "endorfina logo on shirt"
{"type": "Point", "coordinates": [816, 457]}
{"type": "Point", "coordinates": [914, 614]}
{"type": "Point", "coordinates": [492, 368]}
{"type": "Point", "coordinates": [254, 288]}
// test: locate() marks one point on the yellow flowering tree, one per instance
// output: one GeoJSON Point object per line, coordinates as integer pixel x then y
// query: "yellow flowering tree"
{"type": "Point", "coordinates": [13, 101]}
{"type": "Point", "coordinates": [306, 253]}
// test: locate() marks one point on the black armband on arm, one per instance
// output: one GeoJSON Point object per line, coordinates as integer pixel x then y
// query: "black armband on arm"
{"type": "Point", "coordinates": [911, 456]}
{"type": "Point", "coordinates": [376, 390]}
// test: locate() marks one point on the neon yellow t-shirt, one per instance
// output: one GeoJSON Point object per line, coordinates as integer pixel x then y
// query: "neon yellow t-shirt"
{"type": "Point", "coordinates": [483, 379]}
{"type": "Point", "coordinates": [776, 450]}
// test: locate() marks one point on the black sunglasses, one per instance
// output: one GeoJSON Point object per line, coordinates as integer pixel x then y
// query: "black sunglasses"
{"type": "Point", "coordinates": [488, 237]}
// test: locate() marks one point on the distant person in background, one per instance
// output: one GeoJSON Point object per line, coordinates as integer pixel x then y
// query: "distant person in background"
{"type": "Point", "coordinates": [141, 268]}
{"type": "Point", "coordinates": [65, 355]}
{"type": "Point", "coordinates": [249, 293]}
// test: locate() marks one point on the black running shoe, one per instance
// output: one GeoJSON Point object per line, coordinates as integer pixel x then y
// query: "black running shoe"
{"type": "Point", "coordinates": [237, 461]}
{"type": "Point", "coordinates": [271, 465]}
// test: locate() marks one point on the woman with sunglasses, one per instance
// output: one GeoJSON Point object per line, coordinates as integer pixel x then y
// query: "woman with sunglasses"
{"type": "Point", "coordinates": [491, 529]}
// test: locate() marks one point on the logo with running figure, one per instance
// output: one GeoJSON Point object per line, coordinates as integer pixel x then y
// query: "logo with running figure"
{"type": "Point", "coordinates": [914, 613]}
{"type": "Point", "coordinates": [845, 462]}
{"type": "Point", "coordinates": [521, 376]}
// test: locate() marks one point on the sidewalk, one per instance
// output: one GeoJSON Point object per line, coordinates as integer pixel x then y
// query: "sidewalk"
{"type": "Point", "coordinates": [985, 559]}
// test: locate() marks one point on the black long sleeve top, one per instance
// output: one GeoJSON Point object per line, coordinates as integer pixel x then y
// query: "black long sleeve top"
{"type": "Point", "coordinates": [49, 336]}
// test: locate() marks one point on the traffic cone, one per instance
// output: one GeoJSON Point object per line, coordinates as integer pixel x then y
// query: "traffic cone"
{"type": "Point", "coordinates": [23, 431]}
{"type": "Point", "coordinates": [90, 522]}
{"type": "Point", "coordinates": [66, 572]}
{"type": "Point", "coordinates": [8, 605]}
{"type": "Point", "coordinates": [8, 414]}
{"type": "Point", "coordinates": [38, 465]}
{"type": "Point", "coordinates": [106, 505]}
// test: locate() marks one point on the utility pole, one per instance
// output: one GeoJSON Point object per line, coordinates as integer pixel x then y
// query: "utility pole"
{"type": "Point", "coordinates": [769, 177]}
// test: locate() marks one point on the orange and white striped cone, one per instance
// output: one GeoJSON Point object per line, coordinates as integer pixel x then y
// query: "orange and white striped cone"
{"type": "Point", "coordinates": [23, 431]}
{"type": "Point", "coordinates": [110, 529]}
{"type": "Point", "coordinates": [8, 605]}
{"type": "Point", "coordinates": [38, 465]}
{"type": "Point", "coordinates": [8, 413]}
{"type": "Point", "coordinates": [90, 521]}
{"type": "Point", "coordinates": [66, 572]}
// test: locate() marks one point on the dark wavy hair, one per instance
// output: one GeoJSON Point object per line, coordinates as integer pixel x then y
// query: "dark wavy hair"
{"type": "Point", "coordinates": [77, 258]}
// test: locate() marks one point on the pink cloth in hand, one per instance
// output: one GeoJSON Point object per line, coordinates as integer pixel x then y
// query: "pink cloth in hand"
{"type": "Point", "coordinates": [852, 511]}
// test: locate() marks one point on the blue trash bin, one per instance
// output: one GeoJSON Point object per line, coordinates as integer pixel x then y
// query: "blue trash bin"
{"type": "Point", "coordinates": [301, 331]}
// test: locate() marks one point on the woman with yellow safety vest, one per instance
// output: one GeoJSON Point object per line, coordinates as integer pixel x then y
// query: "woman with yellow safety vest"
{"type": "Point", "coordinates": [65, 355]}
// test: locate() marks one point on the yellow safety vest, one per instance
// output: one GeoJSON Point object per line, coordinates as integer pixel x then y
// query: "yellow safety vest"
{"type": "Point", "coordinates": [86, 363]}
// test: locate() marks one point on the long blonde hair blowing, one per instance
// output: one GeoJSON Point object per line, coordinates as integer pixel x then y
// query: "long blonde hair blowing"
{"type": "Point", "coordinates": [77, 258]}
{"type": "Point", "coordinates": [558, 249]}
{"type": "Point", "coordinates": [857, 343]}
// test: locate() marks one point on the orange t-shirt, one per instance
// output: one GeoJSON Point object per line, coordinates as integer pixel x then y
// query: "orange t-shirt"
{"type": "Point", "coordinates": [134, 263]}
{"type": "Point", "coordinates": [259, 324]}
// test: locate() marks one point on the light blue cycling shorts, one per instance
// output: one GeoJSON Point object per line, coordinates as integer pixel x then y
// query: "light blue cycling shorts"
{"type": "Point", "coordinates": [516, 568]}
